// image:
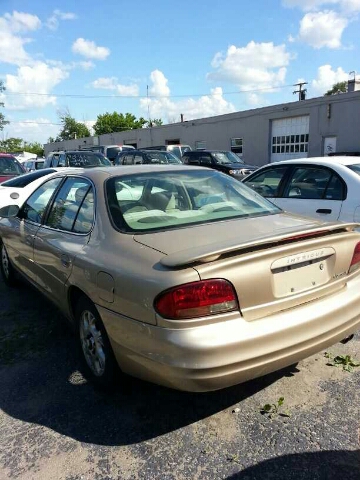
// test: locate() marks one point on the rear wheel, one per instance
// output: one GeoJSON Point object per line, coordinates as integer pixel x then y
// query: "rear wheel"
{"type": "Point", "coordinates": [7, 270]}
{"type": "Point", "coordinates": [98, 358]}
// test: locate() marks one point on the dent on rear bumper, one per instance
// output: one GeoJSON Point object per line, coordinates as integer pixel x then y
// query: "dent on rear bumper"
{"type": "Point", "coordinates": [231, 351]}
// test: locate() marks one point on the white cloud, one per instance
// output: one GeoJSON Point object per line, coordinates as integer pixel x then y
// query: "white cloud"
{"type": "Point", "coordinates": [12, 26]}
{"type": "Point", "coordinates": [326, 78]}
{"type": "Point", "coordinates": [163, 107]}
{"type": "Point", "coordinates": [322, 29]}
{"type": "Point", "coordinates": [31, 129]}
{"type": "Point", "coordinates": [85, 65]}
{"type": "Point", "coordinates": [106, 83]}
{"type": "Point", "coordinates": [89, 49]}
{"type": "Point", "coordinates": [22, 22]}
{"type": "Point", "coordinates": [39, 78]}
{"type": "Point", "coordinates": [256, 66]}
{"type": "Point", "coordinates": [314, 5]}
{"type": "Point", "coordinates": [53, 21]}
{"type": "Point", "coordinates": [111, 83]}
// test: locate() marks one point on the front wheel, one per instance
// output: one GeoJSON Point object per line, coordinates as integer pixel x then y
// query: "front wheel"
{"type": "Point", "coordinates": [7, 270]}
{"type": "Point", "coordinates": [98, 358]}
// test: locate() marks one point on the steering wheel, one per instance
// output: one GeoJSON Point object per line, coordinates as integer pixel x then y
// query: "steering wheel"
{"type": "Point", "coordinates": [268, 191]}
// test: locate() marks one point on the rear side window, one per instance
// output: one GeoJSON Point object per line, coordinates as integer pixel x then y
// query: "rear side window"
{"type": "Point", "coordinates": [73, 207]}
{"type": "Point", "coordinates": [23, 180]}
{"type": "Point", "coordinates": [309, 183]}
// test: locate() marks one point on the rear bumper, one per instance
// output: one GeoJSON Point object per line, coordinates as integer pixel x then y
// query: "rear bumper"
{"type": "Point", "coordinates": [222, 354]}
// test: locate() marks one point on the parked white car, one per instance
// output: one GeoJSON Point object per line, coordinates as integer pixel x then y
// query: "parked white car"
{"type": "Point", "coordinates": [326, 187]}
{"type": "Point", "coordinates": [17, 189]}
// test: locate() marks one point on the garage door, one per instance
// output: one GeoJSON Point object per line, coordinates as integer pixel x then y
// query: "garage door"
{"type": "Point", "coordinates": [289, 138]}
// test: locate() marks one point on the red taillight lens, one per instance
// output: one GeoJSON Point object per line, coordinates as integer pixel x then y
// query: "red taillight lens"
{"type": "Point", "coordinates": [355, 261]}
{"type": "Point", "coordinates": [197, 299]}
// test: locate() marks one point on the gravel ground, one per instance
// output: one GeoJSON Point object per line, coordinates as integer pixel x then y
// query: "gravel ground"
{"type": "Point", "coordinates": [56, 426]}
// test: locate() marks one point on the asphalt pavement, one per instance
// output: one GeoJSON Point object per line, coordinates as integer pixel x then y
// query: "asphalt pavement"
{"type": "Point", "coordinates": [54, 425]}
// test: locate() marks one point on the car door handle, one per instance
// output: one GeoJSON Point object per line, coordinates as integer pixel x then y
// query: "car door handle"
{"type": "Point", "coordinates": [324, 210]}
{"type": "Point", "coordinates": [65, 260]}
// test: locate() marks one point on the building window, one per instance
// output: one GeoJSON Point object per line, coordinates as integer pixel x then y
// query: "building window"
{"type": "Point", "coordinates": [237, 145]}
{"type": "Point", "coordinates": [200, 145]}
{"type": "Point", "coordinates": [290, 144]}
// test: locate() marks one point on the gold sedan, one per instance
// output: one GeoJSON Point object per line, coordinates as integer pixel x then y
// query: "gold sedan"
{"type": "Point", "coordinates": [182, 275]}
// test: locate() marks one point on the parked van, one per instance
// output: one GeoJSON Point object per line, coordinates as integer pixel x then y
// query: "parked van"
{"type": "Point", "coordinates": [177, 150]}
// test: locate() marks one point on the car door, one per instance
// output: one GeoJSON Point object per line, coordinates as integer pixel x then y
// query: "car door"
{"type": "Point", "coordinates": [65, 231]}
{"type": "Point", "coordinates": [269, 181]}
{"type": "Point", "coordinates": [20, 238]}
{"type": "Point", "coordinates": [315, 191]}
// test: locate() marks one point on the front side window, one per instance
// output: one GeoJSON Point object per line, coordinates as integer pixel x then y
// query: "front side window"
{"type": "Point", "coordinates": [308, 183]}
{"type": "Point", "coordinates": [168, 200]}
{"type": "Point", "coordinates": [69, 201]}
{"type": "Point", "coordinates": [35, 206]}
{"type": "Point", "coordinates": [267, 182]}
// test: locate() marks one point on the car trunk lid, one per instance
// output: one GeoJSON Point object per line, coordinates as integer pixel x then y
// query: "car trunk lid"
{"type": "Point", "coordinates": [274, 264]}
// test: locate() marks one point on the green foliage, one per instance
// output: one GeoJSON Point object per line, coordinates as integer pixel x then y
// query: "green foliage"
{"type": "Point", "coordinates": [117, 122]}
{"type": "Point", "coordinates": [339, 87]}
{"type": "Point", "coordinates": [3, 122]}
{"type": "Point", "coordinates": [271, 409]}
{"type": "Point", "coordinates": [71, 128]}
{"type": "Point", "coordinates": [345, 361]}
{"type": "Point", "coordinates": [34, 147]}
{"type": "Point", "coordinates": [12, 144]}
{"type": "Point", "coordinates": [154, 122]}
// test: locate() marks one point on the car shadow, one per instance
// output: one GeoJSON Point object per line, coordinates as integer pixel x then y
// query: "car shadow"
{"type": "Point", "coordinates": [324, 465]}
{"type": "Point", "coordinates": [42, 384]}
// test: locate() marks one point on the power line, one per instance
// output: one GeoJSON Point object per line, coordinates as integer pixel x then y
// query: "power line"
{"type": "Point", "coordinates": [75, 95]}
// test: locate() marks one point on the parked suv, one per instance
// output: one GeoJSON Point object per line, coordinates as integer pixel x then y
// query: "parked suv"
{"type": "Point", "coordinates": [134, 157]}
{"type": "Point", "coordinates": [76, 158]}
{"type": "Point", "coordinates": [177, 150]}
{"type": "Point", "coordinates": [225, 161]}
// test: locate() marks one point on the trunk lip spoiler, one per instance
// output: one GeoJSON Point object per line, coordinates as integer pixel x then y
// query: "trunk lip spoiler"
{"type": "Point", "coordinates": [212, 252]}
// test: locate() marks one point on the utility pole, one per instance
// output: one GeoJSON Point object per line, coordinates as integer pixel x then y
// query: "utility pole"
{"type": "Point", "coordinates": [301, 91]}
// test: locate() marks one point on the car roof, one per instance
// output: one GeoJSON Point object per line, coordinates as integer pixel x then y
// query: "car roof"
{"type": "Point", "coordinates": [10, 155]}
{"type": "Point", "coordinates": [327, 161]}
{"type": "Point", "coordinates": [200, 150]}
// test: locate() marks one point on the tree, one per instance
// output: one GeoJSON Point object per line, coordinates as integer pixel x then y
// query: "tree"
{"type": "Point", "coordinates": [34, 147]}
{"type": "Point", "coordinates": [117, 122]}
{"type": "Point", "coordinates": [3, 122]}
{"type": "Point", "coordinates": [71, 128]}
{"type": "Point", "coordinates": [12, 144]}
{"type": "Point", "coordinates": [154, 122]}
{"type": "Point", "coordinates": [339, 87]}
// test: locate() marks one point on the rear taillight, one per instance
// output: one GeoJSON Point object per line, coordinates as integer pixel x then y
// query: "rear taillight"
{"type": "Point", "coordinates": [197, 299]}
{"type": "Point", "coordinates": [355, 261]}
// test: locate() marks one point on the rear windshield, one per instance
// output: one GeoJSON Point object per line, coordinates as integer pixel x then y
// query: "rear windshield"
{"type": "Point", "coordinates": [162, 157]}
{"type": "Point", "coordinates": [10, 166]}
{"type": "Point", "coordinates": [84, 160]}
{"type": "Point", "coordinates": [165, 200]}
{"type": "Point", "coordinates": [23, 180]}
{"type": "Point", "coordinates": [355, 168]}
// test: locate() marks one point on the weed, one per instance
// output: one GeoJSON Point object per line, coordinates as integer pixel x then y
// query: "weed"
{"type": "Point", "coordinates": [345, 361]}
{"type": "Point", "coordinates": [271, 409]}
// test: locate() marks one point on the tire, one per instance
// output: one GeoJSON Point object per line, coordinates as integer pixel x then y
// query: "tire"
{"type": "Point", "coordinates": [100, 366]}
{"type": "Point", "coordinates": [7, 270]}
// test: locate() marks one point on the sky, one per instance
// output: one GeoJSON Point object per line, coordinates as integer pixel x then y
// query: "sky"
{"type": "Point", "coordinates": [164, 58]}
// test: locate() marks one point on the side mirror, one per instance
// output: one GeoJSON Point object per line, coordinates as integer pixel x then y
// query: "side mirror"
{"type": "Point", "coordinates": [9, 211]}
